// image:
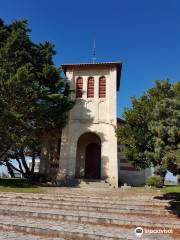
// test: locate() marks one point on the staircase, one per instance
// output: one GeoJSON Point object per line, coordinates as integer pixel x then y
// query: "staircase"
{"type": "Point", "coordinates": [93, 184]}
{"type": "Point", "coordinates": [84, 213]}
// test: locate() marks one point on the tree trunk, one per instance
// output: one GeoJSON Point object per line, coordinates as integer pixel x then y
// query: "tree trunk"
{"type": "Point", "coordinates": [162, 175]}
{"type": "Point", "coordinates": [33, 164]}
{"type": "Point", "coordinates": [178, 179]}
{"type": "Point", "coordinates": [20, 166]}
{"type": "Point", "coordinates": [24, 163]}
{"type": "Point", "coordinates": [10, 170]}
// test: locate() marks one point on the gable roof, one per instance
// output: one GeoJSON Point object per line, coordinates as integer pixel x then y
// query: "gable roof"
{"type": "Point", "coordinates": [116, 64]}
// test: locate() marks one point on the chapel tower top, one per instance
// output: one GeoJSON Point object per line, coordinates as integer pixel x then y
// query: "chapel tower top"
{"type": "Point", "coordinates": [94, 87]}
{"type": "Point", "coordinates": [94, 68]}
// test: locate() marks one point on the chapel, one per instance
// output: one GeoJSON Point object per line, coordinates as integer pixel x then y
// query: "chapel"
{"type": "Point", "coordinates": [87, 146]}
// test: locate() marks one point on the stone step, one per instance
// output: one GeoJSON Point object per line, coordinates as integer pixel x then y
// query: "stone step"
{"type": "Point", "coordinates": [99, 184]}
{"type": "Point", "coordinates": [76, 191]}
{"type": "Point", "coordinates": [91, 217]}
{"type": "Point", "coordinates": [109, 192]}
{"type": "Point", "coordinates": [71, 230]}
{"type": "Point", "coordinates": [135, 210]}
{"type": "Point", "coordinates": [6, 234]}
{"type": "Point", "coordinates": [57, 191]}
{"type": "Point", "coordinates": [100, 192]}
{"type": "Point", "coordinates": [87, 199]}
{"type": "Point", "coordinates": [81, 196]}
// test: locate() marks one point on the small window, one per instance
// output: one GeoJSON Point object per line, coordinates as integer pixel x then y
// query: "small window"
{"type": "Point", "coordinates": [102, 87]}
{"type": "Point", "coordinates": [90, 87]}
{"type": "Point", "coordinates": [79, 87]}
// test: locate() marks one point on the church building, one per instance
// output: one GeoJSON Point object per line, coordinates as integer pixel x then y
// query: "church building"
{"type": "Point", "coordinates": [88, 143]}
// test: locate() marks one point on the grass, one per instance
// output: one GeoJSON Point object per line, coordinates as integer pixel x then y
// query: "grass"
{"type": "Point", "coordinates": [19, 185]}
{"type": "Point", "coordinates": [171, 189]}
{"type": "Point", "coordinates": [171, 193]}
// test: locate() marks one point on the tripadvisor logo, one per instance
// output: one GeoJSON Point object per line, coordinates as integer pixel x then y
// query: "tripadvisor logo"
{"type": "Point", "coordinates": [139, 231]}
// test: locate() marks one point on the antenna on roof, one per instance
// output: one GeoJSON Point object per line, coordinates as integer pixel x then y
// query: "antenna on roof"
{"type": "Point", "coordinates": [94, 51]}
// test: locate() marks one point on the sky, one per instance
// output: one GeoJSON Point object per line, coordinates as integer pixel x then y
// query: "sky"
{"type": "Point", "coordinates": [143, 34]}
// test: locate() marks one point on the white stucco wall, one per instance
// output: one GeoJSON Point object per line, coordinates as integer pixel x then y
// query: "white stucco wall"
{"type": "Point", "coordinates": [97, 115]}
{"type": "Point", "coordinates": [127, 173]}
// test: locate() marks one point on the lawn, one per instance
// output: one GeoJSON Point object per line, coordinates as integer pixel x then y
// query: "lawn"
{"type": "Point", "coordinates": [171, 192]}
{"type": "Point", "coordinates": [171, 189]}
{"type": "Point", "coordinates": [19, 186]}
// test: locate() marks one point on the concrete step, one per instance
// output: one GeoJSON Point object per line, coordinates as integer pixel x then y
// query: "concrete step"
{"type": "Point", "coordinates": [107, 195]}
{"type": "Point", "coordinates": [135, 210]}
{"type": "Point", "coordinates": [71, 230]}
{"type": "Point", "coordinates": [80, 214]}
{"type": "Point", "coordinates": [91, 217]}
{"type": "Point", "coordinates": [87, 199]}
{"type": "Point", "coordinates": [93, 184]}
{"type": "Point", "coordinates": [6, 234]}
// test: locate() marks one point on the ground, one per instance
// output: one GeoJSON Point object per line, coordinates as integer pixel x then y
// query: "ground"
{"type": "Point", "coordinates": [19, 185]}
{"type": "Point", "coordinates": [88, 211]}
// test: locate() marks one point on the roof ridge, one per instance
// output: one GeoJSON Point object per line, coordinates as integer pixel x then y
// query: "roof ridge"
{"type": "Point", "coordinates": [89, 63]}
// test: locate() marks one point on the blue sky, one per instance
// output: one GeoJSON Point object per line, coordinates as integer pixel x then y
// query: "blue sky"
{"type": "Point", "coordinates": [143, 34]}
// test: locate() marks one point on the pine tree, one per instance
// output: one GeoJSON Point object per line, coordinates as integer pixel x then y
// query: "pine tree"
{"type": "Point", "coordinates": [33, 95]}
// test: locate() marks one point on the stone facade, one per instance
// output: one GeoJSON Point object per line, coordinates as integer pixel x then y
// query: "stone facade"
{"type": "Point", "coordinates": [95, 115]}
{"type": "Point", "coordinates": [88, 142]}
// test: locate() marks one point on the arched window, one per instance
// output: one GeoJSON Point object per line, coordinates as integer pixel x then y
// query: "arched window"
{"type": "Point", "coordinates": [90, 87]}
{"type": "Point", "coordinates": [79, 87]}
{"type": "Point", "coordinates": [102, 87]}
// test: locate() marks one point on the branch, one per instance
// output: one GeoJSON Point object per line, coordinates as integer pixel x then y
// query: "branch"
{"type": "Point", "coordinates": [2, 163]}
{"type": "Point", "coordinates": [5, 151]}
{"type": "Point", "coordinates": [24, 161]}
{"type": "Point", "coordinates": [13, 167]}
{"type": "Point", "coordinates": [33, 163]}
{"type": "Point", "coordinates": [19, 163]}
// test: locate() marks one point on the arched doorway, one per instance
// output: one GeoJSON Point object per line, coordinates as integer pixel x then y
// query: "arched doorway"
{"type": "Point", "coordinates": [93, 161]}
{"type": "Point", "coordinates": [88, 156]}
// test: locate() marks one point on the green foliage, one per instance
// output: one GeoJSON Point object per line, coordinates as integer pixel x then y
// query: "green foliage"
{"type": "Point", "coordinates": [151, 132]}
{"type": "Point", "coordinates": [154, 181]}
{"type": "Point", "coordinates": [165, 127]}
{"type": "Point", "coordinates": [33, 95]}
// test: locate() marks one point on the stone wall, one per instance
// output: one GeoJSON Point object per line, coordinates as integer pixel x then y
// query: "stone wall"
{"type": "Point", "coordinates": [96, 115]}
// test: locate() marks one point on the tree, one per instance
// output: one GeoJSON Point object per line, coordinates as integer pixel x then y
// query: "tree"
{"type": "Point", "coordinates": [165, 127]}
{"type": "Point", "coordinates": [34, 97]}
{"type": "Point", "coordinates": [137, 135]}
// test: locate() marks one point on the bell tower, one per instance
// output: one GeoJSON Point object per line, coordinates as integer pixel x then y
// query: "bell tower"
{"type": "Point", "coordinates": [89, 143]}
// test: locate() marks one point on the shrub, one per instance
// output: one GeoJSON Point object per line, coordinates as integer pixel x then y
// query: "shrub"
{"type": "Point", "coordinates": [154, 181]}
{"type": "Point", "coordinates": [38, 177]}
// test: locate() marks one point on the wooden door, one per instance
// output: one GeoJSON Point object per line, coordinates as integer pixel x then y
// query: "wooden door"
{"type": "Point", "coordinates": [93, 161]}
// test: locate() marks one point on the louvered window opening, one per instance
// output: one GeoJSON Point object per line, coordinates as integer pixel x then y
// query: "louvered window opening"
{"type": "Point", "coordinates": [90, 87]}
{"type": "Point", "coordinates": [79, 87]}
{"type": "Point", "coordinates": [102, 87]}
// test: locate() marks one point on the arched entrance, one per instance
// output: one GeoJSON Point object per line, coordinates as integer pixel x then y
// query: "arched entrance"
{"type": "Point", "coordinates": [93, 161]}
{"type": "Point", "coordinates": [88, 157]}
